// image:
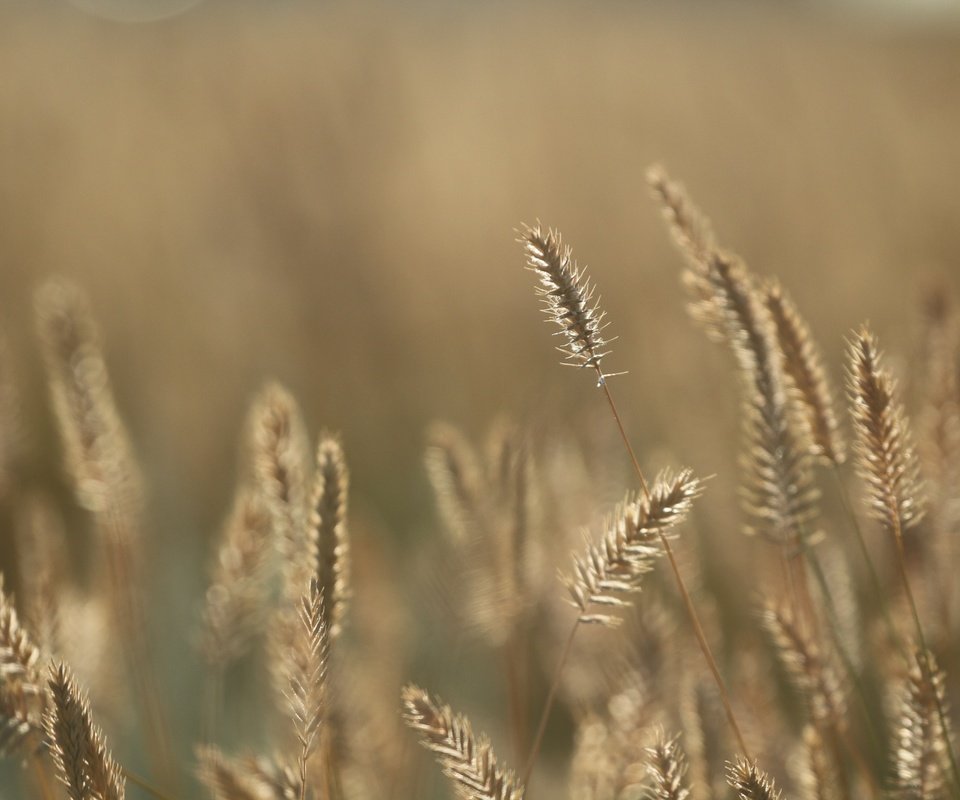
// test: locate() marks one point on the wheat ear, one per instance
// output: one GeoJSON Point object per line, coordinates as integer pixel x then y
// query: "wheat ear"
{"type": "Point", "coordinates": [233, 608]}
{"type": "Point", "coordinates": [330, 543]}
{"type": "Point", "coordinates": [278, 442]}
{"type": "Point", "coordinates": [804, 369]}
{"type": "Point", "coordinates": [750, 782]}
{"type": "Point", "coordinates": [306, 664]}
{"type": "Point", "coordinates": [921, 759]}
{"type": "Point", "coordinates": [884, 449]}
{"type": "Point", "coordinates": [779, 495]}
{"type": "Point", "coordinates": [20, 689]}
{"type": "Point", "coordinates": [467, 761]}
{"type": "Point", "coordinates": [96, 444]}
{"type": "Point", "coordinates": [225, 778]}
{"type": "Point", "coordinates": [667, 766]}
{"type": "Point", "coordinates": [610, 571]}
{"type": "Point", "coordinates": [810, 672]}
{"type": "Point", "coordinates": [568, 298]}
{"type": "Point", "coordinates": [77, 744]}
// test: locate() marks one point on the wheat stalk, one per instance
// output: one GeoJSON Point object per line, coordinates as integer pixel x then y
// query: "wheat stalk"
{"type": "Point", "coordinates": [96, 444]}
{"type": "Point", "coordinates": [808, 668]}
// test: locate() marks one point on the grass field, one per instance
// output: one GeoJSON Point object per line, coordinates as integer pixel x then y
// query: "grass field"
{"type": "Point", "coordinates": [330, 198]}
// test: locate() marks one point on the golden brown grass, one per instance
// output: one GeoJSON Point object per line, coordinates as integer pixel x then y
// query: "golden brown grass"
{"type": "Point", "coordinates": [811, 706]}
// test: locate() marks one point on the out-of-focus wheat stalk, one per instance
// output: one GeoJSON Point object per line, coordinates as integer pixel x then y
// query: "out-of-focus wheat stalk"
{"type": "Point", "coordinates": [329, 542]}
{"type": "Point", "coordinates": [106, 480]}
{"type": "Point", "coordinates": [804, 370]}
{"type": "Point", "coordinates": [278, 443]}
{"type": "Point", "coordinates": [779, 495]}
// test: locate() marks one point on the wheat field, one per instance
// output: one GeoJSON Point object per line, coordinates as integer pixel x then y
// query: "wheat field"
{"type": "Point", "coordinates": [292, 482]}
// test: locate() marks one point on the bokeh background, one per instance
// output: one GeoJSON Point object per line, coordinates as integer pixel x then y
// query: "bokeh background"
{"type": "Point", "coordinates": [328, 195]}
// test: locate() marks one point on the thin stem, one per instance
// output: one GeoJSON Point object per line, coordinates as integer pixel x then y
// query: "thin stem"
{"type": "Point", "coordinates": [548, 705]}
{"type": "Point", "coordinates": [681, 586]}
{"type": "Point", "coordinates": [879, 594]}
{"type": "Point", "coordinates": [834, 628]}
{"type": "Point", "coordinates": [704, 646]}
{"type": "Point", "coordinates": [623, 434]}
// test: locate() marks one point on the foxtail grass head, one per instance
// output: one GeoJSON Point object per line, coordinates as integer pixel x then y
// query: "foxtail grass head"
{"type": "Point", "coordinates": [568, 298]}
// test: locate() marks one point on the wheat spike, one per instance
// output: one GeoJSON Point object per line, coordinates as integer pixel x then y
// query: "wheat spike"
{"type": "Point", "coordinates": [306, 665]}
{"type": "Point", "coordinates": [818, 777]}
{"type": "Point", "coordinates": [20, 690]}
{"type": "Point", "coordinates": [690, 227]}
{"type": "Point", "coordinates": [225, 778]}
{"type": "Point", "coordinates": [779, 494]}
{"type": "Point", "coordinates": [804, 369]}
{"type": "Point", "coordinates": [667, 766]}
{"type": "Point", "coordinates": [884, 446]}
{"type": "Point", "coordinates": [280, 464]}
{"type": "Point", "coordinates": [457, 480]}
{"type": "Point", "coordinates": [921, 764]}
{"type": "Point", "coordinates": [96, 444]}
{"type": "Point", "coordinates": [18, 654]}
{"type": "Point", "coordinates": [610, 571]}
{"type": "Point", "coordinates": [568, 297]}
{"type": "Point", "coordinates": [811, 674]}
{"type": "Point", "coordinates": [234, 603]}
{"type": "Point", "coordinates": [750, 782]}
{"type": "Point", "coordinates": [468, 762]}
{"type": "Point", "coordinates": [245, 778]}
{"type": "Point", "coordinates": [328, 532]}
{"type": "Point", "coordinates": [78, 747]}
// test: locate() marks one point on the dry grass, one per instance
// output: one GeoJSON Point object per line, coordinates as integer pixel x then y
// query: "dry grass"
{"type": "Point", "coordinates": [273, 229]}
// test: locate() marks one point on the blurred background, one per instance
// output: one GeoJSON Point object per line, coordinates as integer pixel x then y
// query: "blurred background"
{"type": "Point", "coordinates": [328, 195]}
